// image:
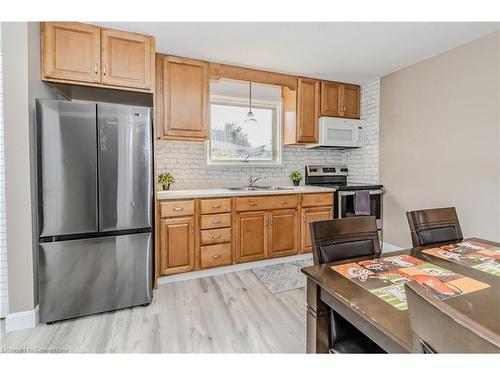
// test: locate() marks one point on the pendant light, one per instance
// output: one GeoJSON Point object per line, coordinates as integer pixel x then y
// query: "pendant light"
{"type": "Point", "coordinates": [250, 117]}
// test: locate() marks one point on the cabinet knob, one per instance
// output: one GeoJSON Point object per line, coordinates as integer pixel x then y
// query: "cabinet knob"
{"type": "Point", "coordinates": [217, 256]}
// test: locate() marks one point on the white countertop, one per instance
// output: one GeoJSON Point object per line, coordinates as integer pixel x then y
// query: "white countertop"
{"type": "Point", "coordinates": [221, 192]}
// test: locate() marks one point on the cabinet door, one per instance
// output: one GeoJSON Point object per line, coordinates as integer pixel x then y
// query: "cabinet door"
{"type": "Point", "coordinates": [251, 236]}
{"type": "Point", "coordinates": [307, 110]}
{"type": "Point", "coordinates": [330, 99]}
{"type": "Point", "coordinates": [177, 245]}
{"type": "Point", "coordinates": [185, 98]}
{"type": "Point", "coordinates": [350, 101]}
{"type": "Point", "coordinates": [70, 51]}
{"type": "Point", "coordinates": [284, 233]}
{"type": "Point", "coordinates": [308, 216]}
{"type": "Point", "coordinates": [127, 59]}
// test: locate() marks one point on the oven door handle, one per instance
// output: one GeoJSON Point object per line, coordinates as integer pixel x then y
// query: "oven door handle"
{"type": "Point", "coordinates": [352, 192]}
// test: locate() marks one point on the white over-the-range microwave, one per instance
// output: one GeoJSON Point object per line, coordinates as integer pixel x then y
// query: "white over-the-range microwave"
{"type": "Point", "coordinates": [340, 133]}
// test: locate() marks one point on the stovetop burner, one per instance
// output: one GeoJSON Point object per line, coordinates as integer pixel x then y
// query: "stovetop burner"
{"type": "Point", "coordinates": [334, 176]}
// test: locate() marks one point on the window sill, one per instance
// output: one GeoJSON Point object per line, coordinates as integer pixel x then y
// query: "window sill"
{"type": "Point", "coordinates": [249, 164]}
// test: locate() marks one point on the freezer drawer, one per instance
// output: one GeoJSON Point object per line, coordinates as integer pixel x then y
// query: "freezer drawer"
{"type": "Point", "coordinates": [67, 167]}
{"type": "Point", "coordinates": [81, 277]}
{"type": "Point", "coordinates": [125, 167]}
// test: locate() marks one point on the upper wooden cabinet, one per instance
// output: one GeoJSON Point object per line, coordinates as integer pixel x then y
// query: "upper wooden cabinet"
{"type": "Point", "coordinates": [301, 108]}
{"type": "Point", "coordinates": [83, 54]}
{"type": "Point", "coordinates": [71, 51]}
{"type": "Point", "coordinates": [182, 91]}
{"type": "Point", "coordinates": [340, 100]}
{"type": "Point", "coordinates": [127, 59]}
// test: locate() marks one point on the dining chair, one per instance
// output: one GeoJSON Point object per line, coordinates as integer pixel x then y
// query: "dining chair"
{"type": "Point", "coordinates": [434, 226]}
{"type": "Point", "coordinates": [337, 240]}
{"type": "Point", "coordinates": [439, 328]}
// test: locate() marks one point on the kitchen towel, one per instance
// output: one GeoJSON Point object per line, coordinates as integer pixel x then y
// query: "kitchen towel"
{"type": "Point", "coordinates": [362, 203]}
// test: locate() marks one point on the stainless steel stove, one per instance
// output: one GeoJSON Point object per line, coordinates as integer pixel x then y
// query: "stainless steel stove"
{"type": "Point", "coordinates": [335, 176]}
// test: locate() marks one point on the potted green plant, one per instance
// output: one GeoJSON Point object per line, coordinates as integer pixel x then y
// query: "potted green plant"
{"type": "Point", "coordinates": [296, 177]}
{"type": "Point", "coordinates": [166, 179]}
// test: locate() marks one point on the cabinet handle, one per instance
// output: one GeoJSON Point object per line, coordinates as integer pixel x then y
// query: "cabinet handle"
{"type": "Point", "coordinates": [178, 208]}
{"type": "Point", "coordinates": [216, 222]}
{"type": "Point", "coordinates": [216, 256]}
{"type": "Point", "coordinates": [95, 68]}
{"type": "Point", "coordinates": [283, 203]}
{"type": "Point", "coordinates": [104, 69]}
{"type": "Point", "coordinates": [252, 204]}
{"type": "Point", "coordinates": [216, 206]}
{"type": "Point", "coordinates": [192, 228]}
{"type": "Point", "coordinates": [215, 237]}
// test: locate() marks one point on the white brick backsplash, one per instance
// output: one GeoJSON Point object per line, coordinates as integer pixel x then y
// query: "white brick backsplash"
{"type": "Point", "coordinates": [187, 160]}
{"type": "Point", "coordinates": [363, 162]}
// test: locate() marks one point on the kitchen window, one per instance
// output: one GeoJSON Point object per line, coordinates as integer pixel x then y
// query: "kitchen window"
{"type": "Point", "coordinates": [236, 142]}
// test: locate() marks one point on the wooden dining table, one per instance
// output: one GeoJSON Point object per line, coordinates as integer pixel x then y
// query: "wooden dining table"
{"type": "Point", "coordinates": [383, 323]}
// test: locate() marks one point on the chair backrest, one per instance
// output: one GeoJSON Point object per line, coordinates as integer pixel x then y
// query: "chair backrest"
{"type": "Point", "coordinates": [434, 226]}
{"type": "Point", "coordinates": [439, 328]}
{"type": "Point", "coordinates": [340, 239]}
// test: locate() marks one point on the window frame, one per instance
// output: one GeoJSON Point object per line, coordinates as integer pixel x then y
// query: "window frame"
{"type": "Point", "coordinates": [276, 131]}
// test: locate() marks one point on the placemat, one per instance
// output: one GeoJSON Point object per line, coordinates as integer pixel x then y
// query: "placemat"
{"type": "Point", "coordinates": [477, 255]}
{"type": "Point", "coordinates": [385, 278]}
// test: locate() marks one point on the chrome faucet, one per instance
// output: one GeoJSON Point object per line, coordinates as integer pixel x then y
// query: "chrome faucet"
{"type": "Point", "coordinates": [252, 180]}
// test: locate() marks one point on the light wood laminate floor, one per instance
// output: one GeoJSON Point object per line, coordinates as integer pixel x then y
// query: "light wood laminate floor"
{"type": "Point", "coordinates": [230, 313]}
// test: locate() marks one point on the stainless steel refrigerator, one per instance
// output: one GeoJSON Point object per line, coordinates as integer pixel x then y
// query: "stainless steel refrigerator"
{"type": "Point", "coordinates": [95, 193]}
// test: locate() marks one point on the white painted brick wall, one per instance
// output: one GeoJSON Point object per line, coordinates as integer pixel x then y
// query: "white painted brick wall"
{"type": "Point", "coordinates": [4, 302]}
{"type": "Point", "coordinates": [363, 162]}
{"type": "Point", "coordinates": [187, 160]}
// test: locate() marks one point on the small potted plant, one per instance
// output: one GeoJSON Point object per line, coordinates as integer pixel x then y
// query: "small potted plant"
{"type": "Point", "coordinates": [296, 177]}
{"type": "Point", "coordinates": [166, 179]}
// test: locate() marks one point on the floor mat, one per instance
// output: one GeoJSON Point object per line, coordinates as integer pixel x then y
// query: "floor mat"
{"type": "Point", "coordinates": [284, 276]}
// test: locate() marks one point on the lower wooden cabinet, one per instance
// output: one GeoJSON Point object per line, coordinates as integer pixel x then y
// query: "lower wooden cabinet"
{"type": "Point", "coordinates": [251, 236]}
{"type": "Point", "coordinates": [284, 233]}
{"type": "Point", "coordinates": [266, 234]}
{"type": "Point", "coordinates": [215, 255]}
{"type": "Point", "coordinates": [177, 245]}
{"type": "Point", "coordinates": [237, 230]}
{"type": "Point", "coordinates": [308, 216]}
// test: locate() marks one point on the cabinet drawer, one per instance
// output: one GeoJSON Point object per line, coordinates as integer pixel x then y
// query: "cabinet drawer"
{"type": "Point", "coordinates": [215, 221]}
{"type": "Point", "coordinates": [215, 255]}
{"type": "Point", "coordinates": [267, 203]}
{"type": "Point", "coordinates": [212, 236]}
{"type": "Point", "coordinates": [321, 199]}
{"type": "Point", "coordinates": [214, 206]}
{"type": "Point", "coordinates": [177, 208]}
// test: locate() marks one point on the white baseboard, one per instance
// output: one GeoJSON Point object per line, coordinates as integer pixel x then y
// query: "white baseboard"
{"type": "Point", "coordinates": [21, 320]}
{"type": "Point", "coordinates": [388, 248]}
{"type": "Point", "coordinates": [231, 268]}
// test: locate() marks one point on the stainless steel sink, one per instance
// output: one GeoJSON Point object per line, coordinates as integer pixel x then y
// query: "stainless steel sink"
{"type": "Point", "coordinates": [260, 188]}
{"type": "Point", "coordinates": [274, 188]}
{"type": "Point", "coordinates": [242, 188]}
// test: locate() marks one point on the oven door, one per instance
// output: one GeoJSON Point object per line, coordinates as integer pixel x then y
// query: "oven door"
{"type": "Point", "coordinates": [345, 205]}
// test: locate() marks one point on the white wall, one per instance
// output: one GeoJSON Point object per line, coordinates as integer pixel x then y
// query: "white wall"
{"type": "Point", "coordinates": [4, 294]}
{"type": "Point", "coordinates": [440, 139]}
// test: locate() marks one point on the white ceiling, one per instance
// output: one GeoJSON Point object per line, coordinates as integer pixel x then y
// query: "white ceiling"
{"type": "Point", "coordinates": [354, 52]}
